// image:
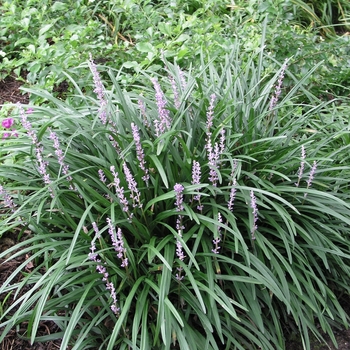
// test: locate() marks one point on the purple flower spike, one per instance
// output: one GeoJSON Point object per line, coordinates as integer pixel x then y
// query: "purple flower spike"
{"type": "Point", "coordinates": [8, 202]}
{"type": "Point", "coordinates": [102, 176]}
{"type": "Point", "coordinates": [311, 176]}
{"type": "Point", "coordinates": [42, 164]}
{"type": "Point", "coordinates": [26, 124]}
{"type": "Point", "coordinates": [142, 108]}
{"type": "Point", "coordinates": [254, 206]}
{"type": "Point", "coordinates": [132, 185]}
{"type": "Point", "coordinates": [302, 165]}
{"type": "Point", "coordinates": [139, 152]}
{"type": "Point", "coordinates": [222, 141]}
{"type": "Point", "coordinates": [278, 89]}
{"type": "Point", "coordinates": [119, 190]}
{"type": "Point", "coordinates": [196, 180]}
{"type": "Point", "coordinates": [118, 243]}
{"type": "Point", "coordinates": [93, 256]}
{"type": "Point", "coordinates": [232, 195]}
{"type": "Point", "coordinates": [60, 155]}
{"type": "Point", "coordinates": [100, 91]}
{"type": "Point", "coordinates": [213, 153]}
{"type": "Point", "coordinates": [175, 92]}
{"type": "Point", "coordinates": [210, 112]}
{"type": "Point", "coordinates": [217, 240]}
{"type": "Point", "coordinates": [178, 188]}
{"type": "Point", "coordinates": [164, 122]}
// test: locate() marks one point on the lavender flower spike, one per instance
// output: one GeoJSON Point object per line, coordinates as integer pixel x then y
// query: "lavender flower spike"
{"type": "Point", "coordinates": [178, 188]}
{"type": "Point", "coordinates": [164, 122]}
{"type": "Point", "coordinates": [60, 155]}
{"type": "Point", "coordinates": [311, 176]}
{"type": "Point", "coordinates": [278, 89]}
{"type": "Point", "coordinates": [139, 152]}
{"type": "Point", "coordinates": [118, 243]}
{"type": "Point", "coordinates": [302, 165]}
{"type": "Point", "coordinates": [232, 195]}
{"type": "Point", "coordinates": [132, 185]}
{"type": "Point", "coordinates": [217, 240]}
{"type": "Point", "coordinates": [119, 190]}
{"type": "Point", "coordinates": [210, 112]}
{"type": "Point", "coordinates": [99, 90]}
{"type": "Point", "coordinates": [254, 206]}
{"type": "Point", "coordinates": [100, 268]}
{"type": "Point", "coordinates": [196, 180]}
{"type": "Point", "coordinates": [8, 202]}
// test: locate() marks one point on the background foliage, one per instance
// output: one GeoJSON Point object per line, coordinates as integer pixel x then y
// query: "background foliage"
{"type": "Point", "coordinates": [266, 252]}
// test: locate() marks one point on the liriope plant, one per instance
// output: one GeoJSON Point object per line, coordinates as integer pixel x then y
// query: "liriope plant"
{"type": "Point", "coordinates": [200, 211]}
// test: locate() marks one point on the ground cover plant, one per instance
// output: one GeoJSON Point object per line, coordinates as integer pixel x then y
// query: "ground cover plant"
{"type": "Point", "coordinates": [204, 209]}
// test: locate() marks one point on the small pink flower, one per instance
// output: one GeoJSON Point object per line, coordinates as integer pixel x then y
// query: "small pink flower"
{"type": "Point", "coordinates": [7, 123]}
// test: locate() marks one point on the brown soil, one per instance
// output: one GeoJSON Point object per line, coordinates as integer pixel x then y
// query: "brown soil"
{"type": "Point", "coordinates": [9, 92]}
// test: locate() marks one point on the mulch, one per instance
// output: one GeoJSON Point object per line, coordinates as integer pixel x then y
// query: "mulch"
{"type": "Point", "coordinates": [15, 339]}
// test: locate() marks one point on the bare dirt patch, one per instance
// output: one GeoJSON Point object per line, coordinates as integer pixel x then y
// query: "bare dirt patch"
{"type": "Point", "coordinates": [10, 92]}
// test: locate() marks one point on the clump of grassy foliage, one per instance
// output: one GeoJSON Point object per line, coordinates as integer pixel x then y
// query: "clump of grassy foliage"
{"type": "Point", "coordinates": [203, 210]}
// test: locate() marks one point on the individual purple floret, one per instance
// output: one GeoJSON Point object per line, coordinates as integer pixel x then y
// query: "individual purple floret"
{"type": "Point", "coordinates": [254, 206]}
{"type": "Point", "coordinates": [117, 242]}
{"type": "Point", "coordinates": [140, 153]}
{"type": "Point", "coordinates": [164, 122]}
{"type": "Point", "coordinates": [100, 91]}
{"type": "Point", "coordinates": [278, 90]}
